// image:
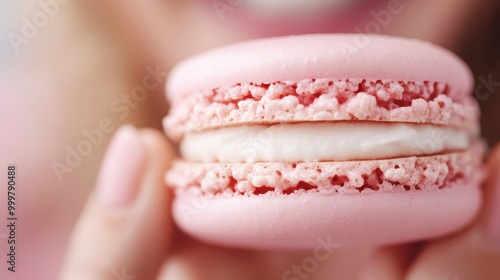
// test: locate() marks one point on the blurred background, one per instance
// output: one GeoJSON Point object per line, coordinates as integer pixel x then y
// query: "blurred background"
{"type": "Point", "coordinates": [67, 66]}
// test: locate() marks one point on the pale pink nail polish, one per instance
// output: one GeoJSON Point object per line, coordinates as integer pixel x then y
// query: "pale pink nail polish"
{"type": "Point", "coordinates": [491, 226]}
{"type": "Point", "coordinates": [121, 169]}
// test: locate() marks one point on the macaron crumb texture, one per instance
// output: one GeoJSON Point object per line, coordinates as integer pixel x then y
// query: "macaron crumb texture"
{"type": "Point", "coordinates": [429, 173]}
{"type": "Point", "coordinates": [323, 100]}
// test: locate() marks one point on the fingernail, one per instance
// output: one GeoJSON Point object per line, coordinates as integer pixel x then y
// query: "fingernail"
{"type": "Point", "coordinates": [491, 225]}
{"type": "Point", "coordinates": [121, 169]}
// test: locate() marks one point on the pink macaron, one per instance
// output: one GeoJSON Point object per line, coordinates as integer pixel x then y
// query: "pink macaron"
{"type": "Point", "coordinates": [354, 140]}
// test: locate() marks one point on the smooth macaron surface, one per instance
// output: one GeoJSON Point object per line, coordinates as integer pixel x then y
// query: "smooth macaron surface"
{"type": "Point", "coordinates": [333, 56]}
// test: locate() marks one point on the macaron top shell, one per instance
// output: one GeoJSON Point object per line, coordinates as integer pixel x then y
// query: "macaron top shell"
{"type": "Point", "coordinates": [335, 56]}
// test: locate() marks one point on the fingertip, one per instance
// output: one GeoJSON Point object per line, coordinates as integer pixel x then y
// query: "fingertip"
{"type": "Point", "coordinates": [490, 223]}
{"type": "Point", "coordinates": [388, 263]}
{"type": "Point", "coordinates": [160, 154]}
{"type": "Point", "coordinates": [494, 157]}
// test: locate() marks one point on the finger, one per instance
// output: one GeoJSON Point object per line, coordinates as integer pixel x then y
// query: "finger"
{"type": "Point", "coordinates": [389, 263]}
{"type": "Point", "coordinates": [125, 227]}
{"type": "Point", "coordinates": [196, 261]}
{"type": "Point", "coordinates": [193, 260]}
{"type": "Point", "coordinates": [474, 253]}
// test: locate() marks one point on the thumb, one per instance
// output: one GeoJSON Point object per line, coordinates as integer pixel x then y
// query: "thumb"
{"type": "Point", "coordinates": [125, 227]}
{"type": "Point", "coordinates": [474, 253]}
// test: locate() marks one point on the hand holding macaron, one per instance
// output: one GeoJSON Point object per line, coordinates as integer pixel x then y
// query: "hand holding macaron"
{"type": "Point", "coordinates": [126, 232]}
{"type": "Point", "coordinates": [346, 159]}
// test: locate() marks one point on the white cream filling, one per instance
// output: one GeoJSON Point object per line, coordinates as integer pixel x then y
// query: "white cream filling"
{"type": "Point", "coordinates": [323, 141]}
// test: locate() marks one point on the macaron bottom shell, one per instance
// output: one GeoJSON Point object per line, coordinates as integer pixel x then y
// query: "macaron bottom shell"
{"type": "Point", "coordinates": [308, 220]}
